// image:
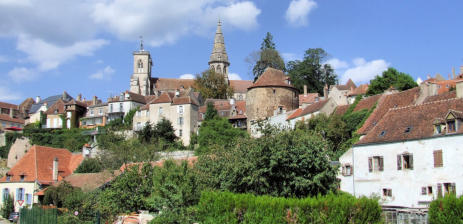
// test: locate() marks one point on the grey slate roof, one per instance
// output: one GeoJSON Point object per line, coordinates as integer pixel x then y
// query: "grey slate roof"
{"type": "Point", "coordinates": [51, 100]}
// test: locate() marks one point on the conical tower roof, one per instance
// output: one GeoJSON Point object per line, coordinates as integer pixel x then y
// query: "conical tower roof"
{"type": "Point", "coordinates": [219, 54]}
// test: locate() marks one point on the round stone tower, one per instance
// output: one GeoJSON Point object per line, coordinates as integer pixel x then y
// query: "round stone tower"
{"type": "Point", "coordinates": [271, 94]}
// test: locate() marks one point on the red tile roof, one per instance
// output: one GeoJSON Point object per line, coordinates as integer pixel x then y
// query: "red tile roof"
{"type": "Point", "coordinates": [295, 114]}
{"type": "Point", "coordinates": [166, 84]}
{"type": "Point", "coordinates": [4, 117]}
{"type": "Point", "coordinates": [307, 110]}
{"type": "Point", "coordinates": [443, 96]}
{"type": "Point", "coordinates": [341, 110]}
{"type": "Point", "coordinates": [368, 102]}
{"type": "Point", "coordinates": [240, 86]}
{"type": "Point", "coordinates": [417, 119]}
{"type": "Point", "coordinates": [37, 164]}
{"type": "Point", "coordinates": [272, 78]}
{"type": "Point", "coordinates": [90, 181]}
{"type": "Point", "coordinates": [165, 97]}
{"type": "Point", "coordinates": [8, 105]}
{"type": "Point", "coordinates": [240, 107]}
{"type": "Point", "coordinates": [349, 85]}
{"type": "Point", "coordinates": [80, 103]}
{"type": "Point", "coordinates": [362, 89]}
{"type": "Point", "coordinates": [385, 102]}
{"type": "Point", "coordinates": [308, 99]}
{"type": "Point", "coordinates": [58, 106]}
{"type": "Point", "coordinates": [445, 85]}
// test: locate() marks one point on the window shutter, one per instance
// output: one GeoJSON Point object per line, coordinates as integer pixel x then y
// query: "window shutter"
{"type": "Point", "coordinates": [370, 168]}
{"type": "Point", "coordinates": [439, 190]}
{"type": "Point", "coordinates": [438, 158]}
{"type": "Point", "coordinates": [399, 162]}
{"type": "Point", "coordinates": [381, 163]}
{"type": "Point", "coordinates": [453, 188]}
{"type": "Point", "coordinates": [343, 170]}
{"type": "Point", "coordinates": [411, 161]}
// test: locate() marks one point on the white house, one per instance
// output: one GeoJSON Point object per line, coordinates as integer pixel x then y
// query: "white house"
{"type": "Point", "coordinates": [411, 156]}
{"type": "Point", "coordinates": [119, 106]}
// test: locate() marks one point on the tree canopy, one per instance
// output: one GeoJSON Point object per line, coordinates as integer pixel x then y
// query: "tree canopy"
{"type": "Point", "coordinates": [312, 71]}
{"type": "Point", "coordinates": [391, 78]}
{"type": "Point", "coordinates": [213, 85]}
{"type": "Point", "coordinates": [268, 56]}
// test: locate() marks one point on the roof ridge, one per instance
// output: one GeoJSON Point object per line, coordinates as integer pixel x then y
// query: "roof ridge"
{"type": "Point", "coordinates": [423, 104]}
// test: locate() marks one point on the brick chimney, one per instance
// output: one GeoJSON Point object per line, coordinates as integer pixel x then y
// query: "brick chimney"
{"type": "Point", "coordinates": [459, 88]}
{"type": "Point", "coordinates": [325, 91]}
{"type": "Point", "coordinates": [79, 97]}
{"type": "Point", "coordinates": [55, 169]}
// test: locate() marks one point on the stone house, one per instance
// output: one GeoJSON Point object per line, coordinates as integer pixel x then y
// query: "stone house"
{"type": "Point", "coordinates": [414, 146]}
{"type": "Point", "coordinates": [96, 116]}
{"type": "Point", "coordinates": [270, 95]}
{"type": "Point", "coordinates": [41, 106]}
{"type": "Point", "coordinates": [119, 106]}
{"type": "Point", "coordinates": [233, 110]}
{"type": "Point", "coordinates": [39, 168]}
{"type": "Point", "coordinates": [340, 92]}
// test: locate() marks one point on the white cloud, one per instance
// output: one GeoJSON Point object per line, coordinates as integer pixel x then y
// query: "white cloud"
{"type": "Point", "coordinates": [49, 56]}
{"type": "Point", "coordinates": [298, 12]}
{"type": "Point", "coordinates": [290, 56]}
{"type": "Point", "coordinates": [187, 76]}
{"type": "Point", "coordinates": [22, 74]}
{"type": "Point", "coordinates": [105, 73]}
{"type": "Point", "coordinates": [363, 71]}
{"type": "Point", "coordinates": [8, 94]}
{"type": "Point", "coordinates": [234, 76]}
{"type": "Point", "coordinates": [337, 64]}
{"type": "Point", "coordinates": [173, 19]}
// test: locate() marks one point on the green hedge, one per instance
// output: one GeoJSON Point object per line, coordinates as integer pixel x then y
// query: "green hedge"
{"type": "Point", "coordinates": [448, 209]}
{"type": "Point", "coordinates": [226, 207]}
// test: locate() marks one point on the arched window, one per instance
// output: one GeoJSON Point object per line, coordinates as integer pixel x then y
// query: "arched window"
{"type": "Point", "coordinates": [218, 68]}
{"type": "Point", "coordinates": [212, 68]}
{"type": "Point", "coordinates": [140, 66]}
{"type": "Point", "coordinates": [224, 70]}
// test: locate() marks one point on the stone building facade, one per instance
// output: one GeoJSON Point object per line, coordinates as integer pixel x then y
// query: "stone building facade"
{"type": "Point", "coordinates": [271, 94]}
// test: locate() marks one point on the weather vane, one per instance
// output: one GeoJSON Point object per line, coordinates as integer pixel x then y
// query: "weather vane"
{"type": "Point", "coordinates": [141, 43]}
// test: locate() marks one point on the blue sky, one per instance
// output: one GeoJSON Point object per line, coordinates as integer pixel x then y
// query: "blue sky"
{"type": "Point", "coordinates": [49, 46]}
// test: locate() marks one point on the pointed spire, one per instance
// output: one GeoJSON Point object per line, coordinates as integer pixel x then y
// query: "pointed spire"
{"type": "Point", "coordinates": [219, 53]}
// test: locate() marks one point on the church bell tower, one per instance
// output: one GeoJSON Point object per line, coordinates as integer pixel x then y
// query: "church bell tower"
{"type": "Point", "coordinates": [219, 58]}
{"type": "Point", "coordinates": [140, 82]}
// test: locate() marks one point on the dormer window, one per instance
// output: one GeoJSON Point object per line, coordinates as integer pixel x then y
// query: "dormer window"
{"type": "Point", "coordinates": [22, 177]}
{"type": "Point", "coordinates": [451, 126]}
{"type": "Point", "coordinates": [438, 129]}
{"type": "Point", "coordinates": [8, 177]}
{"type": "Point", "coordinates": [408, 129]}
{"type": "Point", "coordinates": [382, 133]}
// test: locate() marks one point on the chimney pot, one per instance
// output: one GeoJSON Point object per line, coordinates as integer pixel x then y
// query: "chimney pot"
{"type": "Point", "coordinates": [305, 90]}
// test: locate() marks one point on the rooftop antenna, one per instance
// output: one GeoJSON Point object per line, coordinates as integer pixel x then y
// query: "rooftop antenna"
{"type": "Point", "coordinates": [141, 43]}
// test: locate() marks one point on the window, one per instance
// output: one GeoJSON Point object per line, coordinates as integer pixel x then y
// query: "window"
{"type": "Point", "coordinates": [375, 163]}
{"type": "Point", "coordinates": [180, 133]}
{"type": "Point", "coordinates": [438, 162]}
{"type": "Point", "coordinates": [449, 188]}
{"type": "Point", "coordinates": [240, 97]}
{"type": "Point", "coordinates": [100, 111]}
{"type": "Point", "coordinates": [110, 108]}
{"type": "Point", "coordinates": [180, 121]}
{"type": "Point", "coordinates": [424, 191]}
{"type": "Point", "coordinates": [6, 193]}
{"type": "Point", "coordinates": [120, 107]}
{"type": "Point", "coordinates": [408, 129]}
{"type": "Point", "coordinates": [91, 112]}
{"type": "Point", "coordinates": [451, 126]}
{"type": "Point", "coordinates": [160, 111]}
{"type": "Point", "coordinates": [69, 114]}
{"type": "Point", "coordinates": [180, 109]}
{"type": "Point", "coordinates": [274, 91]}
{"type": "Point", "coordinates": [21, 177]}
{"type": "Point", "coordinates": [387, 192]}
{"type": "Point", "coordinates": [29, 199]}
{"type": "Point", "coordinates": [140, 66]}
{"type": "Point", "coordinates": [347, 170]}
{"type": "Point", "coordinates": [138, 125]}
{"type": "Point", "coordinates": [138, 113]}
{"type": "Point", "coordinates": [405, 161]}
{"type": "Point", "coordinates": [280, 109]}
{"type": "Point", "coordinates": [430, 190]}
{"type": "Point", "coordinates": [438, 129]}
{"type": "Point", "coordinates": [382, 133]}
{"type": "Point", "coordinates": [20, 194]}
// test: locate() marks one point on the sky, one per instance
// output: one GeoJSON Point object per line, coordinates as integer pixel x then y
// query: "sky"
{"type": "Point", "coordinates": [86, 46]}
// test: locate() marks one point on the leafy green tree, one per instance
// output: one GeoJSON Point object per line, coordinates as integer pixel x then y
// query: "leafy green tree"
{"type": "Point", "coordinates": [312, 71]}
{"type": "Point", "coordinates": [212, 85]}
{"type": "Point", "coordinates": [211, 112]}
{"type": "Point", "coordinates": [128, 118]}
{"type": "Point", "coordinates": [288, 164]}
{"type": "Point", "coordinates": [217, 132]}
{"type": "Point", "coordinates": [8, 206]}
{"type": "Point", "coordinates": [56, 194]}
{"type": "Point", "coordinates": [127, 192]}
{"type": "Point", "coordinates": [175, 188]}
{"type": "Point", "coordinates": [391, 78]}
{"type": "Point", "coordinates": [165, 131]}
{"type": "Point", "coordinates": [268, 56]}
{"type": "Point", "coordinates": [90, 165]}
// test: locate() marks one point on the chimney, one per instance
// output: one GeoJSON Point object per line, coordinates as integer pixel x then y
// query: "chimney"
{"type": "Point", "coordinates": [94, 100]}
{"type": "Point", "coordinates": [453, 73]}
{"type": "Point", "coordinates": [11, 112]}
{"type": "Point", "coordinates": [305, 90]}
{"type": "Point", "coordinates": [37, 99]}
{"type": "Point", "coordinates": [64, 95]}
{"type": "Point", "coordinates": [459, 88]}
{"type": "Point", "coordinates": [325, 91]}
{"type": "Point", "coordinates": [79, 97]}
{"type": "Point", "coordinates": [55, 169]}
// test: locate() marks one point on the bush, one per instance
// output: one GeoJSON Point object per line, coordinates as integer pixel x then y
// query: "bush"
{"type": "Point", "coordinates": [8, 207]}
{"type": "Point", "coordinates": [89, 165]}
{"type": "Point", "coordinates": [226, 207]}
{"type": "Point", "coordinates": [448, 209]}
{"type": "Point", "coordinates": [71, 139]}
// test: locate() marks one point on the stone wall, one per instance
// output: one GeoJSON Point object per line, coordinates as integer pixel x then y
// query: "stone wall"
{"type": "Point", "coordinates": [261, 102]}
{"type": "Point", "coordinates": [18, 150]}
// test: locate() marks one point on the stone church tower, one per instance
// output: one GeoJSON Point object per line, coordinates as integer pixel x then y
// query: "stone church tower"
{"type": "Point", "coordinates": [219, 58]}
{"type": "Point", "coordinates": [140, 82]}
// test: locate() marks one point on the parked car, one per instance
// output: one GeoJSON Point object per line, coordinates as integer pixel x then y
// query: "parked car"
{"type": "Point", "coordinates": [14, 216]}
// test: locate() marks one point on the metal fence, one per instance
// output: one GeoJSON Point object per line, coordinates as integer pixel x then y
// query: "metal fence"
{"type": "Point", "coordinates": [402, 216]}
{"type": "Point", "coordinates": [37, 215]}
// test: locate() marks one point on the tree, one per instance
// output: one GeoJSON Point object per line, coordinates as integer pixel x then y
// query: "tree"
{"type": "Point", "coordinates": [128, 118]}
{"type": "Point", "coordinates": [268, 56]}
{"type": "Point", "coordinates": [288, 164]}
{"type": "Point", "coordinates": [211, 112]}
{"type": "Point", "coordinates": [312, 71]}
{"type": "Point", "coordinates": [8, 206]}
{"type": "Point", "coordinates": [217, 132]}
{"type": "Point", "coordinates": [213, 85]}
{"type": "Point", "coordinates": [391, 78]}
{"type": "Point", "coordinates": [56, 194]}
{"type": "Point", "coordinates": [163, 131]}
{"type": "Point", "coordinates": [89, 165]}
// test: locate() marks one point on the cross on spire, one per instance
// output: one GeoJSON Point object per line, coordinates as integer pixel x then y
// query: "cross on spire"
{"type": "Point", "coordinates": [141, 43]}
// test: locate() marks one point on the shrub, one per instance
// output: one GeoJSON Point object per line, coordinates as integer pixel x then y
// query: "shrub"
{"type": "Point", "coordinates": [226, 207]}
{"type": "Point", "coordinates": [8, 206]}
{"type": "Point", "coordinates": [448, 209]}
{"type": "Point", "coordinates": [89, 165]}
